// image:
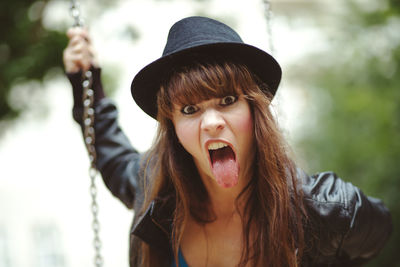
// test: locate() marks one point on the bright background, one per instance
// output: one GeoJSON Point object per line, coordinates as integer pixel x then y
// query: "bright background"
{"type": "Point", "coordinates": [44, 185]}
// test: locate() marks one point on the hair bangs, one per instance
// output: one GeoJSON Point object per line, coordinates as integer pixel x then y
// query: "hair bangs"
{"type": "Point", "coordinates": [194, 84]}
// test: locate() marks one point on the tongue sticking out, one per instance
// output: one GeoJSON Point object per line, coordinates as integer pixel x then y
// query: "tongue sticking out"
{"type": "Point", "coordinates": [225, 167]}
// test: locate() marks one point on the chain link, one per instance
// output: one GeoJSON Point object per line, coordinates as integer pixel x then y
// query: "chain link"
{"type": "Point", "coordinates": [268, 17]}
{"type": "Point", "coordinates": [89, 138]}
{"type": "Point", "coordinates": [76, 13]}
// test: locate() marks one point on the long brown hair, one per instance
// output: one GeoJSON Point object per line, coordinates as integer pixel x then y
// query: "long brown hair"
{"type": "Point", "coordinates": [273, 206]}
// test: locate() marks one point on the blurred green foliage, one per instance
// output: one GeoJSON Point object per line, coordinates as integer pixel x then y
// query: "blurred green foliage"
{"type": "Point", "coordinates": [27, 50]}
{"type": "Point", "coordinates": [353, 88]}
{"type": "Point", "coordinates": [30, 53]}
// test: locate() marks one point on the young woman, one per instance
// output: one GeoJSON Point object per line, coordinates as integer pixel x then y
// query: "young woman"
{"type": "Point", "coordinates": [218, 187]}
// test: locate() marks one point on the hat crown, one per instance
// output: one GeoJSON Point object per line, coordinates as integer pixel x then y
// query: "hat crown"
{"type": "Point", "coordinates": [194, 31]}
{"type": "Point", "coordinates": [200, 40]}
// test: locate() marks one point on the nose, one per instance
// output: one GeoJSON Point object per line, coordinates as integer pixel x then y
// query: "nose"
{"type": "Point", "coordinates": [212, 122]}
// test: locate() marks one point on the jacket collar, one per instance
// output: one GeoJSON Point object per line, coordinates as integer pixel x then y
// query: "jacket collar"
{"type": "Point", "coordinates": [154, 226]}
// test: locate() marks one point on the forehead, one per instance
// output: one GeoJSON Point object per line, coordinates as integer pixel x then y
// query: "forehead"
{"type": "Point", "coordinates": [203, 103]}
{"type": "Point", "coordinates": [202, 83]}
{"type": "Point", "coordinates": [197, 83]}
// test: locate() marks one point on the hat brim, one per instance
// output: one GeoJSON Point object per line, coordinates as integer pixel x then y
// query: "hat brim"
{"type": "Point", "coordinates": [147, 82]}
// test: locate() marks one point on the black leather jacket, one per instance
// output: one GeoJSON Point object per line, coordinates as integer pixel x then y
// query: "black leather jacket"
{"type": "Point", "coordinates": [347, 228]}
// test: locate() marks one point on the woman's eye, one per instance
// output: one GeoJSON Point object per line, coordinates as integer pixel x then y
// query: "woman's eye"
{"type": "Point", "coordinates": [189, 109]}
{"type": "Point", "coordinates": [228, 100]}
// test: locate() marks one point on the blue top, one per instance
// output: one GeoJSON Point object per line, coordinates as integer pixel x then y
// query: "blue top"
{"type": "Point", "coordinates": [181, 259]}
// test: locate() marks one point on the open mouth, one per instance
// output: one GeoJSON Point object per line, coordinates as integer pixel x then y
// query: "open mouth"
{"type": "Point", "coordinates": [223, 164]}
{"type": "Point", "coordinates": [220, 151]}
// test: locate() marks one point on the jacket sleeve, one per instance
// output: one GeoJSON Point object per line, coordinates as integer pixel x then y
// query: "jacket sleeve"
{"type": "Point", "coordinates": [117, 161]}
{"type": "Point", "coordinates": [346, 228]}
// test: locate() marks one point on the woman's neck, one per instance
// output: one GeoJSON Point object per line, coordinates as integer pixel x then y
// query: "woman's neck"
{"type": "Point", "coordinates": [224, 201]}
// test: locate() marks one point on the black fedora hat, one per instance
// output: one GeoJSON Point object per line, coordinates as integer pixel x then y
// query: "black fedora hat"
{"type": "Point", "coordinates": [198, 39]}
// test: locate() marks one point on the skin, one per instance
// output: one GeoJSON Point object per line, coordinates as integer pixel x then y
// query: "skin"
{"type": "Point", "coordinates": [226, 120]}
{"type": "Point", "coordinates": [218, 243]}
{"type": "Point", "coordinates": [79, 53]}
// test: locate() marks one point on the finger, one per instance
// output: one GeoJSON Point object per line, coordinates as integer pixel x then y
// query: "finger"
{"type": "Point", "coordinates": [79, 48]}
{"type": "Point", "coordinates": [93, 57]}
{"type": "Point", "coordinates": [76, 60]}
{"type": "Point", "coordinates": [78, 42]}
{"type": "Point", "coordinates": [92, 51]}
{"type": "Point", "coordinates": [78, 31]}
{"type": "Point", "coordinates": [70, 64]}
{"type": "Point", "coordinates": [69, 55]}
{"type": "Point", "coordinates": [81, 62]}
{"type": "Point", "coordinates": [85, 64]}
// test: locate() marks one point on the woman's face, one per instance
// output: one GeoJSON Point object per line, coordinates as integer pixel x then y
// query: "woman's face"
{"type": "Point", "coordinates": [219, 134]}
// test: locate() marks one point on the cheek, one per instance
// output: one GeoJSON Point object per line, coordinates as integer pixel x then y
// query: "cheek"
{"type": "Point", "coordinates": [244, 123]}
{"type": "Point", "coordinates": [186, 134]}
{"type": "Point", "coordinates": [247, 133]}
{"type": "Point", "coordinates": [244, 130]}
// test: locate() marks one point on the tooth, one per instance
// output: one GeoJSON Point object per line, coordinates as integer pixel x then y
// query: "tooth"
{"type": "Point", "coordinates": [216, 145]}
{"type": "Point", "coordinates": [221, 145]}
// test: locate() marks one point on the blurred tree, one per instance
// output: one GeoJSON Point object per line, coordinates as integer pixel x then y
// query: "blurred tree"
{"type": "Point", "coordinates": [27, 50]}
{"type": "Point", "coordinates": [353, 94]}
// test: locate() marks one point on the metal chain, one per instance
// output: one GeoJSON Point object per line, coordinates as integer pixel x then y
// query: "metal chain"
{"type": "Point", "coordinates": [76, 14]}
{"type": "Point", "coordinates": [89, 138]}
{"type": "Point", "coordinates": [268, 17]}
{"type": "Point", "coordinates": [89, 135]}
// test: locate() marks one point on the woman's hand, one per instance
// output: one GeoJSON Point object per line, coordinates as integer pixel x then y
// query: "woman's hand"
{"type": "Point", "coordinates": [79, 53]}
